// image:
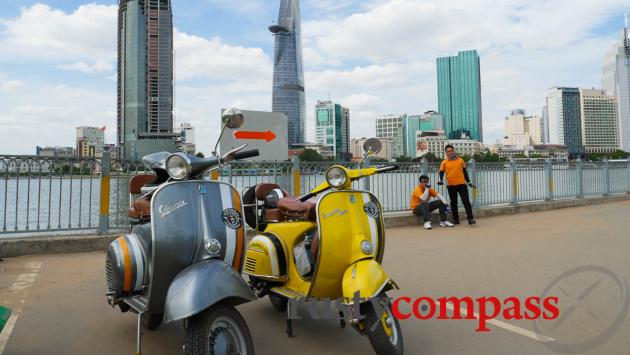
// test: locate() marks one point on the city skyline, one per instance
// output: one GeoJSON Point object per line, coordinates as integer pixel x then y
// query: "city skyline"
{"type": "Point", "coordinates": [46, 87]}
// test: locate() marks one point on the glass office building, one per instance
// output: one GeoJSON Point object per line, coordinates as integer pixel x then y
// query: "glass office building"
{"type": "Point", "coordinates": [565, 122]}
{"type": "Point", "coordinates": [332, 129]}
{"type": "Point", "coordinates": [145, 78]}
{"type": "Point", "coordinates": [459, 95]}
{"type": "Point", "coordinates": [288, 74]}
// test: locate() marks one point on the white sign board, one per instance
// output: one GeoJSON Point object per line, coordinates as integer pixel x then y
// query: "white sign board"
{"type": "Point", "coordinates": [265, 131]}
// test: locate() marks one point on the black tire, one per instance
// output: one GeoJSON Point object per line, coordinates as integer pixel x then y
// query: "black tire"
{"type": "Point", "coordinates": [218, 330]}
{"type": "Point", "coordinates": [152, 321]}
{"type": "Point", "coordinates": [278, 302]}
{"type": "Point", "coordinates": [382, 343]}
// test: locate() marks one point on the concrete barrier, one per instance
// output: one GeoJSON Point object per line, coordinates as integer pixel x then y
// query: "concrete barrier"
{"type": "Point", "coordinates": [12, 247]}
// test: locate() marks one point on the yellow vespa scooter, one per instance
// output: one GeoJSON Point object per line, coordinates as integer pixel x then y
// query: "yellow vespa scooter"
{"type": "Point", "coordinates": [330, 248]}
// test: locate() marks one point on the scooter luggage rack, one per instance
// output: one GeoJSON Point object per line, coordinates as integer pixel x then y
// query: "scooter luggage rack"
{"type": "Point", "coordinates": [255, 205]}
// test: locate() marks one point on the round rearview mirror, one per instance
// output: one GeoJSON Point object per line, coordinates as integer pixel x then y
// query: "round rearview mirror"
{"type": "Point", "coordinates": [372, 146]}
{"type": "Point", "coordinates": [232, 118]}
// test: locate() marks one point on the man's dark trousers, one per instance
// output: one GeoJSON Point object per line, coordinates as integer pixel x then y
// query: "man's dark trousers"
{"type": "Point", "coordinates": [462, 190]}
{"type": "Point", "coordinates": [423, 210]}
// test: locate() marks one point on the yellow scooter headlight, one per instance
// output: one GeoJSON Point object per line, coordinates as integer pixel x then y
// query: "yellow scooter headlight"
{"type": "Point", "coordinates": [336, 177]}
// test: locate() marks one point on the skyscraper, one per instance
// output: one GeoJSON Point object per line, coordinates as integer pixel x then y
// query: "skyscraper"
{"type": "Point", "coordinates": [145, 78]}
{"type": "Point", "coordinates": [600, 130]}
{"type": "Point", "coordinates": [392, 127]}
{"type": "Point", "coordinates": [429, 121]}
{"type": "Point", "coordinates": [565, 127]}
{"type": "Point", "coordinates": [522, 130]}
{"type": "Point", "coordinates": [288, 74]}
{"type": "Point", "coordinates": [459, 95]}
{"type": "Point", "coordinates": [333, 129]}
{"type": "Point", "coordinates": [616, 82]}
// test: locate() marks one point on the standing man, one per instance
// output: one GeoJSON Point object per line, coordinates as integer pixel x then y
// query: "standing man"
{"type": "Point", "coordinates": [457, 183]}
{"type": "Point", "coordinates": [422, 207]}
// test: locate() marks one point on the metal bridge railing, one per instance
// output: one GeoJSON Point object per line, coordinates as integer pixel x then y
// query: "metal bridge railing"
{"type": "Point", "coordinates": [87, 195]}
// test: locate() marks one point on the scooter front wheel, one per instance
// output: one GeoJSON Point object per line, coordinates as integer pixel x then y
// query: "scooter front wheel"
{"type": "Point", "coordinates": [383, 330]}
{"type": "Point", "coordinates": [219, 330]}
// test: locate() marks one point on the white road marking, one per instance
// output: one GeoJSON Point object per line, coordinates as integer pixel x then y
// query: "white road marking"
{"type": "Point", "coordinates": [21, 284]}
{"type": "Point", "coordinates": [512, 328]}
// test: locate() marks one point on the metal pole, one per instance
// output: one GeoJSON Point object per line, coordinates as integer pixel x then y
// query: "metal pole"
{"type": "Point", "coordinates": [296, 177]}
{"type": "Point", "coordinates": [549, 178]}
{"type": "Point", "coordinates": [628, 179]}
{"type": "Point", "coordinates": [103, 219]}
{"type": "Point", "coordinates": [580, 178]}
{"type": "Point", "coordinates": [473, 178]}
{"type": "Point", "coordinates": [606, 178]}
{"type": "Point", "coordinates": [425, 167]}
{"type": "Point", "coordinates": [514, 181]}
{"type": "Point", "coordinates": [366, 180]}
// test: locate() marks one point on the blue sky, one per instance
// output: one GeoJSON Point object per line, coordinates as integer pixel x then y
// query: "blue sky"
{"type": "Point", "coordinates": [377, 56]}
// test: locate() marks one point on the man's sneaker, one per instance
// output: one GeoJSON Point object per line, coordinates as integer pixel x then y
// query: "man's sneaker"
{"type": "Point", "coordinates": [427, 225]}
{"type": "Point", "coordinates": [446, 224]}
{"type": "Point", "coordinates": [471, 221]}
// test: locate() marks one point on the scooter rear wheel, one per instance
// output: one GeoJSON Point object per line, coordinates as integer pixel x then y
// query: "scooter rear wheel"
{"type": "Point", "coordinates": [386, 337]}
{"type": "Point", "coordinates": [218, 330]}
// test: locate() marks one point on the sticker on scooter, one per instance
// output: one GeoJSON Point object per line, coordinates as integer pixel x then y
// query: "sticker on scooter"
{"type": "Point", "coordinates": [352, 199]}
{"type": "Point", "coordinates": [231, 218]}
{"type": "Point", "coordinates": [165, 210]}
{"type": "Point", "coordinates": [203, 189]}
{"type": "Point", "coordinates": [371, 209]}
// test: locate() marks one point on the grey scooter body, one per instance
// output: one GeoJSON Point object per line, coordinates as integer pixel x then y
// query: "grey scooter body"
{"type": "Point", "coordinates": [194, 249]}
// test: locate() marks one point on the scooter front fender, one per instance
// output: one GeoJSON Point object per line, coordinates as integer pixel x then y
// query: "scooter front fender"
{"type": "Point", "coordinates": [366, 277]}
{"type": "Point", "coordinates": [202, 285]}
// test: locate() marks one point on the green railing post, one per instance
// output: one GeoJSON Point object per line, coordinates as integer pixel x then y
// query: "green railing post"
{"type": "Point", "coordinates": [606, 178]}
{"type": "Point", "coordinates": [103, 219]}
{"type": "Point", "coordinates": [473, 178]}
{"type": "Point", "coordinates": [549, 179]}
{"type": "Point", "coordinates": [580, 178]}
{"type": "Point", "coordinates": [514, 183]}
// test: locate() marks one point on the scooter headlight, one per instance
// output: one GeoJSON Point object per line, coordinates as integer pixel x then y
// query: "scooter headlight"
{"type": "Point", "coordinates": [336, 177]}
{"type": "Point", "coordinates": [178, 166]}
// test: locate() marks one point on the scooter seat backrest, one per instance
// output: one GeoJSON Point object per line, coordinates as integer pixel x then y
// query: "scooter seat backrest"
{"type": "Point", "coordinates": [137, 181]}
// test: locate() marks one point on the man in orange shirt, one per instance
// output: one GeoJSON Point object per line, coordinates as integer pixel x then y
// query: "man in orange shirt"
{"type": "Point", "coordinates": [422, 207]}
{"type": "Point", "coordinates": [457, 183]}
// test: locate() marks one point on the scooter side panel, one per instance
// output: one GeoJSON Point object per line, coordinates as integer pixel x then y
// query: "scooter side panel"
{"type": "Point", "coordinates": [346, 219]}
{"type": "Point", "coordinates": [185, 216]}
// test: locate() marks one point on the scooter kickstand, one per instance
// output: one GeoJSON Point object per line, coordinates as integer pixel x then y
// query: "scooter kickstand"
{"type": "Point", "coordinates": [289, 322]}
{"type": "Point", "coordinates": [139, 335]}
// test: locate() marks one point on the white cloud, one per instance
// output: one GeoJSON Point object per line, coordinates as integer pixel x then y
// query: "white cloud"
{"type": "Point", "coordinates": [97, 67]}
{"type": "Point", "coordinates": [47, 34]}
{"type": "Point", "coordinates": [213, 59]}
{"type": "Point", "coordinates": [10, 86]}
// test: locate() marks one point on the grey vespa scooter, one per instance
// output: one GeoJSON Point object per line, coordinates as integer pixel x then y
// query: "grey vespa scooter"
{"type": "Point", "coordinates": [184, 255]}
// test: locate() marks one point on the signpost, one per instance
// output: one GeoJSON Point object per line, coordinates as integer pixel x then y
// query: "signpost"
{"type": "Point", "coordinates": [265, 131]}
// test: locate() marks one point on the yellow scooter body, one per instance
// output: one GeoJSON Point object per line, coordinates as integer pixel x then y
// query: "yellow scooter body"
{"type": "Point", "coordinates": [348, 220]}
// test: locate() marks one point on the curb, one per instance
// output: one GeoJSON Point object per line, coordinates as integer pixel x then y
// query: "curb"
{"type": "Point", "coordinates": [76, 244]}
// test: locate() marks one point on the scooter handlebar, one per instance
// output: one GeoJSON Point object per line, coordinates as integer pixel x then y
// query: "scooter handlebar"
{"type": "Point", "coordinates": [387, 168]}
{"type": "Point", "coordinates": [246, 154]}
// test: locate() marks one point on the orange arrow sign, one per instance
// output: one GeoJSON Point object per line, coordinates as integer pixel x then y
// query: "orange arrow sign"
{"type": "Point", "coordinates": [267, 136]}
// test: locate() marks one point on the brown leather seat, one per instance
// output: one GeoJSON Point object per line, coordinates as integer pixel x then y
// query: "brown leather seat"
{"type": "Point", "coordinates": [292, 207]}
{"type": "Point", "coordinates": [140, 208]}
